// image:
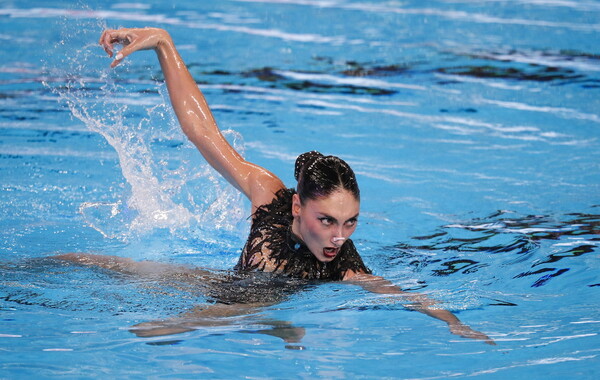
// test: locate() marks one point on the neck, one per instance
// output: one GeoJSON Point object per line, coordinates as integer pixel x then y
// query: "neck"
{"type": "Point", "coordinates": [296, 228]}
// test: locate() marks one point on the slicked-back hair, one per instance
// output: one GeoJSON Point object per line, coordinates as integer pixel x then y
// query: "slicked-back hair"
{"type": "Point", "coordinates": [319, 176]}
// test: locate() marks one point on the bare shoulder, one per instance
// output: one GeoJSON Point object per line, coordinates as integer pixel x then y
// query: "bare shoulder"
{"type": "Point", "coordinates": [264, 186]}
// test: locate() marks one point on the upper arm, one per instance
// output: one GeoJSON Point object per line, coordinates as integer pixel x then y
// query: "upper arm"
{"type": "Point", "coordinates": [358, 275]}
{"type": "Point", "coordinates": [371, 283]}
{"type": "Point", "coordinates": [200, 126]}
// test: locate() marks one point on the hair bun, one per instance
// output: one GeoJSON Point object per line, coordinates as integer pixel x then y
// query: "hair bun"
{"type": "Point", "coordinates": [304, 160]}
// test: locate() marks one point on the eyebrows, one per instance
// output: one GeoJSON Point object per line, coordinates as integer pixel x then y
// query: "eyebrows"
{"type": "Point", "coordinates": [335, 219]}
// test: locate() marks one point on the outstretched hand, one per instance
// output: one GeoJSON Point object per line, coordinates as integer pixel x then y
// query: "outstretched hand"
{"type": "Point", "coordinates": [465, 331]}
{"type": "Point", "coordinates": [132, 41]}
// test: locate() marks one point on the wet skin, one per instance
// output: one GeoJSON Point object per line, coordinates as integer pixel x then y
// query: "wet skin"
{"type": "Point", "coordinates": [321, 222]}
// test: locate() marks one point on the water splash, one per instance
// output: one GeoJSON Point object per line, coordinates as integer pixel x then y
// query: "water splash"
{"type": "Point", "coordinates": [167, 185]}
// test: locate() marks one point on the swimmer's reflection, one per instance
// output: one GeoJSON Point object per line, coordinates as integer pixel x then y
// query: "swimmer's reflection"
{"type": "Point", "coordinates": [239, 298]}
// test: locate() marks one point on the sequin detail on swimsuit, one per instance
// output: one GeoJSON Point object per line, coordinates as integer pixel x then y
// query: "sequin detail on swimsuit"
{"type": "Point", "coordinates": [272, 247]}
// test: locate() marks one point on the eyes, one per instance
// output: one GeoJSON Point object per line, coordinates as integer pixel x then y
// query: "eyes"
{"type": "Point", "coordinates": [326, 221]}
{"type": "Point", "coordinates": [329, 221]}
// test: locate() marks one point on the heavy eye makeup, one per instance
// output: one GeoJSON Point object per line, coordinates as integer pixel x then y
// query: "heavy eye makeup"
{"type": "Point", "coordinates": [328, 221]}
{"type": "Point", "coordinates": [352, 222]}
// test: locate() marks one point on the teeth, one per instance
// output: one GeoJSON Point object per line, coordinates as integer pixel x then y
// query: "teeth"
{"type": "Point", "coordinates": [329, 251]}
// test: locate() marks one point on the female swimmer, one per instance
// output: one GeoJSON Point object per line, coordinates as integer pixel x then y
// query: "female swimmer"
{"type": "Point", "coordinates": [302, 233]}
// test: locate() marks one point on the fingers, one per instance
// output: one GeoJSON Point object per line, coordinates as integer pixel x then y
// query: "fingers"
{"type": "Point", "coordinates": [110, 37]}
{"type": "Point", "coordinates": [132, 40]}
{"type": "Point", "coordinates": [115, 62]}
{"type": "Point", "coordinates": [122, 54]}
{"type": "Point", "coordinates": [467, 332]}
{"type": "Point", "coordinates": [106, 41]}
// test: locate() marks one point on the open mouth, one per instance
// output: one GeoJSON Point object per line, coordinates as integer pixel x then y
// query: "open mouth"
{"type": "Point", "coordinates": [330, 252]}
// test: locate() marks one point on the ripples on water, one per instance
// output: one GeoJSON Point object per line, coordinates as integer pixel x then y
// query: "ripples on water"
{"type": "Point", "coordinates": [447, 110]}
{"type": "Point", "coordinates": [537, 247]}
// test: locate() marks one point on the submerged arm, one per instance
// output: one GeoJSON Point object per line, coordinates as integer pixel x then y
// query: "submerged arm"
{"type": "Point", "coordinates": [220, 315]}
{"type": "Point", "coordinates": [418, 302]}
{"type": "Point", "coordinates": [147, 269]}
{"type": "Point", "coordinates": [205, 316]}
{"type": "Point", "coordinates": [193, 112]}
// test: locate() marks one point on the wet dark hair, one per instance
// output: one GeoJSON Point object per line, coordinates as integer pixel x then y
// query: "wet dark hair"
{"type": "Point", "coordinates": [319, 176]}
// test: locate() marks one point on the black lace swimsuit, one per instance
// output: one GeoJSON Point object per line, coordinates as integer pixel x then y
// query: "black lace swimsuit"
{"type": "Point", "coordinates": [273, 247]}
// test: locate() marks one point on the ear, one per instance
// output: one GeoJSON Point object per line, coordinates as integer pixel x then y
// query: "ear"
{"type": "Point", "coordinates": [296, 205]}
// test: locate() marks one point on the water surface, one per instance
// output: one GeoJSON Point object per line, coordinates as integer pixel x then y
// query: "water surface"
{"type": "Point", "coordinates": [473, 129]}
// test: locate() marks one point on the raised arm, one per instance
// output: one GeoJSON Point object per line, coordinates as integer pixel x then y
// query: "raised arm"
{"type": "Point", "coordinates": [193, 113]}
{"type": "Point", "coordinates": [418, 302]}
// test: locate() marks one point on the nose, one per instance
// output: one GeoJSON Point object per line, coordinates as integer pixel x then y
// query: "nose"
{"type": "Point", "coordinates": [338, 237]}
{"type": "Point", "coordinates": [338, 241]}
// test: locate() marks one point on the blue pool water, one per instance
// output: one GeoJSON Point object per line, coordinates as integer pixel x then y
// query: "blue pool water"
{"type": "Point", "coordinates": [474, 130]}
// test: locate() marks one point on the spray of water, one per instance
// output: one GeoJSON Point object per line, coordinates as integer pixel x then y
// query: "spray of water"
{"type": "Point", "coordinates": [166, 184]}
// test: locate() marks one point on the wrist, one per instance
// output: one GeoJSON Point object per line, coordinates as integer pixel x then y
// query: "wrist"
{"type": "Point", "coordinates": [164, 40]}
{"type": "Point", "coordinates": [165, 47]}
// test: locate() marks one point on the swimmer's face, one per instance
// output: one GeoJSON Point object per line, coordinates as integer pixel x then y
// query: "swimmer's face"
{"type": "Point", "coordinates": [318, 221]}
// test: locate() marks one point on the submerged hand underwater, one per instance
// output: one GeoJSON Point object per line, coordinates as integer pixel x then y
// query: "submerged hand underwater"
{"type": "Point", "coordinates": [300, 234]}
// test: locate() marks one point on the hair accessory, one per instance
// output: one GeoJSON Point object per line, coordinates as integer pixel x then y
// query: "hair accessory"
{"type": "Point", "coordinates": [304, 160]}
